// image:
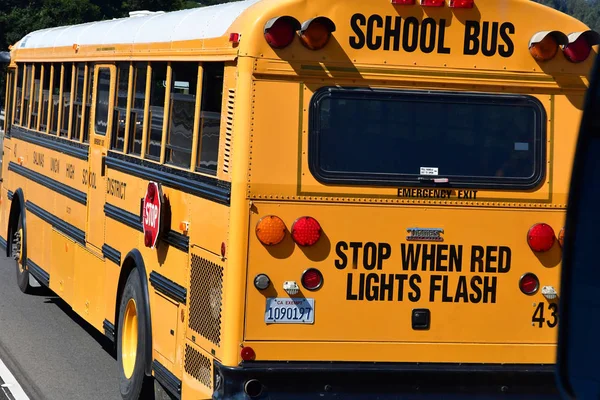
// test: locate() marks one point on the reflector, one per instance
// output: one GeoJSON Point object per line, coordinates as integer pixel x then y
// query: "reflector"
{"type": "Point", "coordinates": [312, 279]}
{"type": "Point", "coordinates": [248, 354]}
{"type": "Point", "coordinates": [529, 283]}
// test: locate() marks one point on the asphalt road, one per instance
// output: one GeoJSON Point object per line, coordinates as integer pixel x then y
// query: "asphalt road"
{"type": "Point", "coordinates": [52, 352]}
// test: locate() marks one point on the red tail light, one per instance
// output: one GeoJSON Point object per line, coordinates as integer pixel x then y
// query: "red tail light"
{"type": "Point", "coordinates": [462, 3]}
{"type": "Point", "coordinates": [433, 3]}
{"type": "Point", "coordinates": [541, 237]}
{"type": "Point", "coordinates": [280, 31]}
{"type": "Point", "coordinates": [312, 279]}
{"type": "Point", "coordinates": [306, 231]}
{"type": "Point", "coordinates": [580, 45]}
{"type": "Point", "coordinates": [529, 283]}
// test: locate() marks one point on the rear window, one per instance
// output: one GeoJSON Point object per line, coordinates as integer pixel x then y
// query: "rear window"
{"type": "Point", "coordinates": [388, 137]}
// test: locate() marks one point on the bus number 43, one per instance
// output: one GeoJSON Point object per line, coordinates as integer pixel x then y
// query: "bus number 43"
{"type": "Point", "coordinates": [540, 314]}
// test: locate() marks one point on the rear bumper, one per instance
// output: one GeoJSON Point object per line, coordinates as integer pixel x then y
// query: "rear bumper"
{"type": "Point", "coordinates": [384, 381]}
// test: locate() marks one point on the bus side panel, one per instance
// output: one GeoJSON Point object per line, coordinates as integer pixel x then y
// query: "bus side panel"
{"type": "Point", "coordinates": [63, 259]}
{"type": "Point", "coordinates": [122, 239]}
{"type": "Point", "coordinates": [88, 299]}
{"type": "Point", "coordinates": [5, 202]}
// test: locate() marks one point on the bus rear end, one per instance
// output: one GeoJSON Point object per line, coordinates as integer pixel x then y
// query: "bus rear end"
{"type": "Point", "coordinates": [407, 186]}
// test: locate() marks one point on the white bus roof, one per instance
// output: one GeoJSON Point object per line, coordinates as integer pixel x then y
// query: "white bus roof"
{"type": "Point", "coordinates": [143, 27]}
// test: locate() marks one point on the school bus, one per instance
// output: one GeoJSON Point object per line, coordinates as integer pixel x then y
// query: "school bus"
{"type": "Point", "coordinates": [302, 199]}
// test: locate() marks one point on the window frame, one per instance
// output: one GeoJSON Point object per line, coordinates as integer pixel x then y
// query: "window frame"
{"type": "Point", "coordinates": [11, 74]}
{"type": "Point", "coordinates": [99, 68]}
{"type": "Point", "coordinates": [411, 180]}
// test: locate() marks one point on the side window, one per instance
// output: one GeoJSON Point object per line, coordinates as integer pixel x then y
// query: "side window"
{"type": "Point", "coordinates": [27, 95]}
{"type": "Point", "coordinates": [45, 97]}
{"type": "Point", "coordinates": [66, 99]}
{"type": "Point", "coordinates": [182, 107]}
{"type": "Point", "coordinates": [156, 113]}
{"type": "Point", "coordinates": [19, 94]}
{"type": "Point", "coordinates": [88, 103]}
{"type": "Point", "coordinates": [35, 96]}
{"type": "Point", "coordinates": [55, 98]}
{"type": "Point", "coordinates": [120, 110]}
{"type": "Point", "coordinates": [210, 118]}
{"type": "Point", "coordinates": [102, 99]}
{"type": "Point", "coordinates": [136, 119]}
{"type": "Point", "coordinates": [78, 109]}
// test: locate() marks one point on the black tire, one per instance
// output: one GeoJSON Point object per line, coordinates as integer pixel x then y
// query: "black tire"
{"type": "Point", "coordinates": [20, 261]}
{"type": "Point", "coordinates": [137, 385]}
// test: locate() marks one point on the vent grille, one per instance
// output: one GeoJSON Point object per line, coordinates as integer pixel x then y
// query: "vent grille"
{"type": "Point", "coordinates": [206, 299]}
{"type": "Point", "coordinates": [198, 366]}
{"type": "Point", "coordinates": [228, 131]}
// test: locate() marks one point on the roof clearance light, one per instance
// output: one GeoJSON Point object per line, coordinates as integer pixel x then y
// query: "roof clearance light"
{"type": "Point", "coordinates": [403, 2]}
{"type": "Point", "coordinates": [315, 32]}
{"type": "Point", "coordinates": [543, 46]}
{"type": "Point", "coordinates": [280, 31]}
{"type": "Point", "coordinates": [433, 3]}
{"type": "Point", "coordinates": [234, 37]}
{"type": "Point", "coordinates": [580, 45]}
{"type": "Point", "coordinates": [529, 283]}
{"type": "Point", "coordinates": [270, 230]}
{"type": "Point", "coordinates": [306, 231]}
{"type": "Point", "coordinates": [541, 237]}
{"type": "Point", "coordinates": [462, 3]}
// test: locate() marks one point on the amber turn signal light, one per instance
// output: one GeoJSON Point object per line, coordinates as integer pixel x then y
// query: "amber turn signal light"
{"type": "Point", "coordinates": [270, 230]}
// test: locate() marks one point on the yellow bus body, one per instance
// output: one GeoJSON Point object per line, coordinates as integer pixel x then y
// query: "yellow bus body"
{"type": "Point", "coordinates": [81, 199]}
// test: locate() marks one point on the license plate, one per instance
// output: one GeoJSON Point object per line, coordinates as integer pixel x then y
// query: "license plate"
{"type": "Point", "coordinates": [283, 310]}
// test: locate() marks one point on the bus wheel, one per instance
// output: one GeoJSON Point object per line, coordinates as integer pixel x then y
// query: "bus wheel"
{"type": "Point", "coordinates": [133, 382]}
{"type": "Point", "coordinates": [19, 254]}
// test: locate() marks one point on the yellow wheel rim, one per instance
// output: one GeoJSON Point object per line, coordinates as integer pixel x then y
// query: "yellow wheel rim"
{"type": "Point", "coordinates": [129, 338]}
{"type": "Point", "coordinates": [20, 260]}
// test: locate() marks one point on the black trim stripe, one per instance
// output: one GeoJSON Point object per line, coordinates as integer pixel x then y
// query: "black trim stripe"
{"type": "Point", "coordinates": [2, 243]}
{"type": "Point", "coordinates": [112, 254]}
{"type": "Point", "coordinates": [10, 195]}
{"type": "Point", "coordinates": [167, 379]}
{"type": "Point", "coordinates": [109, 330]}
{"type": "Point", "coordinates": [56, 143]}
{"type": "Point", "coordinates": [50, 183]}
{"type": "Point", "coordinates": [125, 217]}
{"type": "Point", "coordinates": [208, 188]}
{"type": "Point", "coordinates": [38, 273]}
{"type": "Point", "coordinates": [168, 287]}
{"type": "Point", "coordinates": [175, 239]}
{"type": "Point", "coordinates": [71, 231]}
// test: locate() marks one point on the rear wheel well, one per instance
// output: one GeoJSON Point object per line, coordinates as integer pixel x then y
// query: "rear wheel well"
{"type": "Point", "coordinates": [133, 261]}
{"type": "Point", "coordinates": [16, 208]}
